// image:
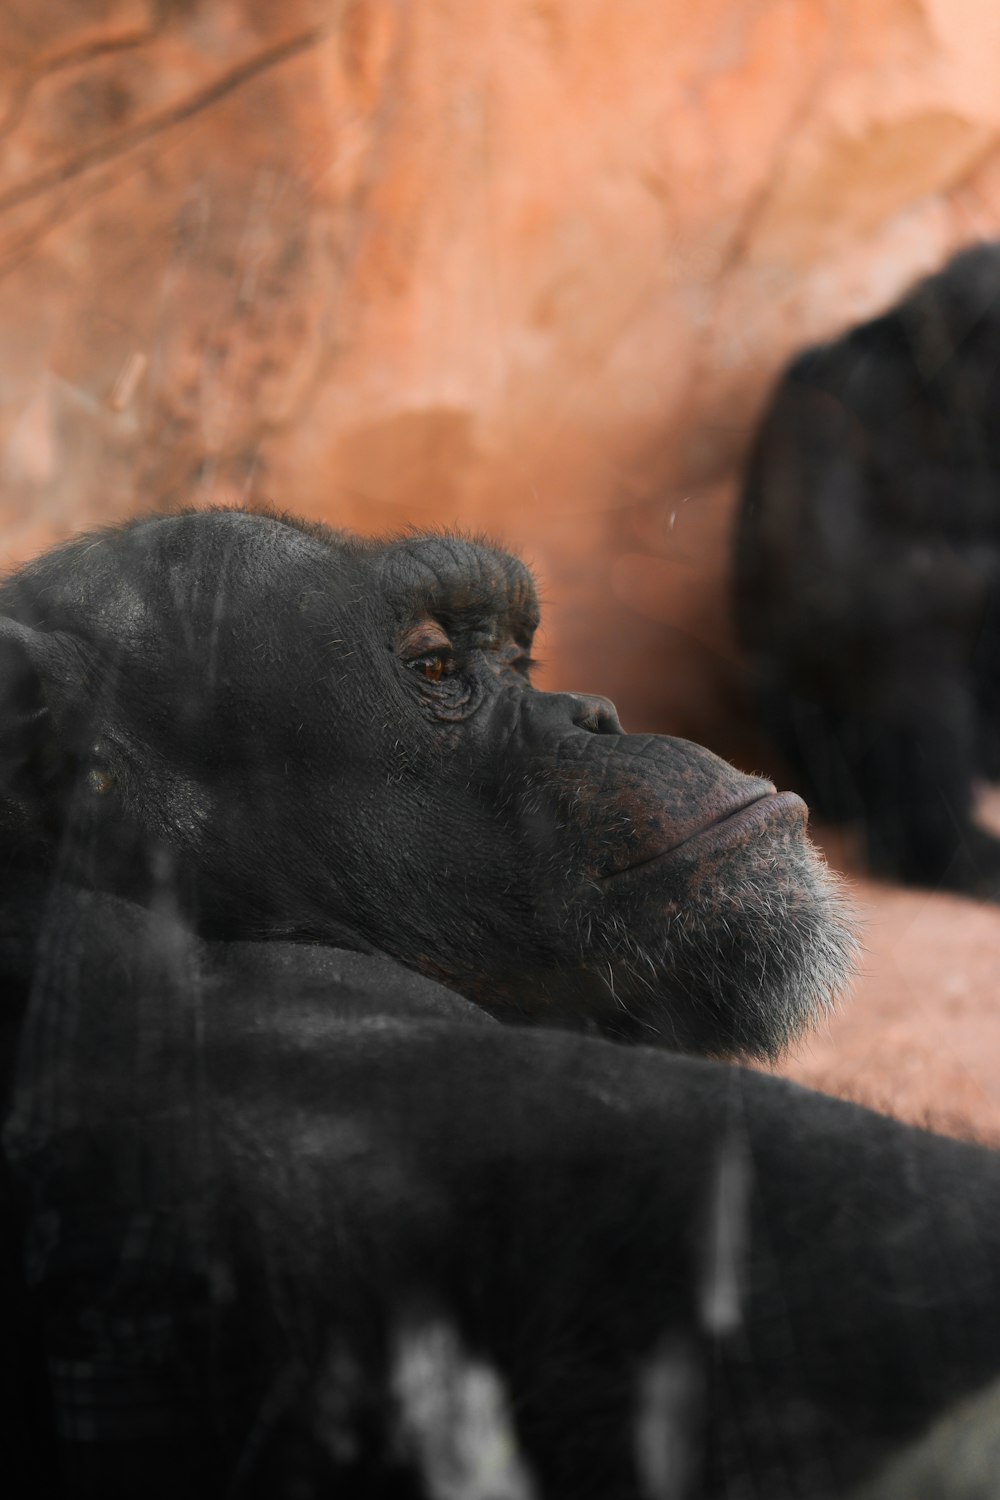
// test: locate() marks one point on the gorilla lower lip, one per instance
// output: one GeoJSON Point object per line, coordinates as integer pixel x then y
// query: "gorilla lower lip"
{"type": "Point", "coordinates": [746, 822]}
{"type": "Point", "coordinates": [739, 826]}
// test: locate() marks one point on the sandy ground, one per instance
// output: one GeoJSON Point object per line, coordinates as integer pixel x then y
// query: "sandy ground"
{"type": "Point", "coordinates": [920, 1034]}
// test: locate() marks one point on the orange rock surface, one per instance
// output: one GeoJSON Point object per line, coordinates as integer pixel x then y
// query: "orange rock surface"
{"type": "Point", "coordinates": [920, 1035]}
{"type": "Point", "coordinates": [525, 266]}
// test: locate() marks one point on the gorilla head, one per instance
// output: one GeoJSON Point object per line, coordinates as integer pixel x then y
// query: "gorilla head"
{"type": "Point", "coordinates": [291, 732]}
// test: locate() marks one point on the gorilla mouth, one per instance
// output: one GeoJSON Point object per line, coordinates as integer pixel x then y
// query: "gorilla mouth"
{"type": "Point", "coordinates": [739, 826]}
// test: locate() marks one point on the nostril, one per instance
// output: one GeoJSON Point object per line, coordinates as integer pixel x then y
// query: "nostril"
{"type": "Point", "coordinates": [595, 714]}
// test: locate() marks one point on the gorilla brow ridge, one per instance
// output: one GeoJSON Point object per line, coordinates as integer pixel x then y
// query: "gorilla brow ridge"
{"type": "Point", "coordinates": [502, 577]}
{"type": "Point", "coordinates": [434, 570]}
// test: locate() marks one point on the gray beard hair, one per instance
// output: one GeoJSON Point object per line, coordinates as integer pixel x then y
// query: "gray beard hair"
{"type": "Point", "coordinates": [743, 969]}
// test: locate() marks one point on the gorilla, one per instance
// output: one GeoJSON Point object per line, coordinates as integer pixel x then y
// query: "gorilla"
{"type": "Point", "coordinates": [285, 732]}
{"type": "Point", "coordinates": [298, 1222]}
{"type": "Point", "coordinates": [287, 834]}
{"type": "Point", "coordinates": [867, 571]}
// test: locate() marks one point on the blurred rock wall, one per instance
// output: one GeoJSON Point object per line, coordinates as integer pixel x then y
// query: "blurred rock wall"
{"type": "Point", "coordinates": [526, 266]}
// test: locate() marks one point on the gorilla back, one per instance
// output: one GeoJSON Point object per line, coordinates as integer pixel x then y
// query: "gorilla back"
{"type": "Point", "coordinates": [867, 575]}
{"type": "Point", "coordinates": [297, 1228]}
{"type": "Point", "coordinates": [285, 732]}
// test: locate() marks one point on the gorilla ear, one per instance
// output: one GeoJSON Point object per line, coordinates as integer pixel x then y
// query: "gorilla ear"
{"type": "Point", "coordinates": [37, 677]}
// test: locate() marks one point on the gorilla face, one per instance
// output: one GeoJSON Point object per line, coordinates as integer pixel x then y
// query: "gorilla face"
{"type": "Point", "coordinates": [291, 732]}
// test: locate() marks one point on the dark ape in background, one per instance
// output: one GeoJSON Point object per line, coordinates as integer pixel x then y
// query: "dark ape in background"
{"type": "Point", "coordinates": [867, 575]}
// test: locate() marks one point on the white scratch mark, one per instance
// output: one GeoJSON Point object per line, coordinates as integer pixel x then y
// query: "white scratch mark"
{"type": "Point", "coordinates": [667, 1435]}
{"type": "Point", "coordinates": [454, 1417]}
{"type": "Point", "coordinates": [721, 1287]}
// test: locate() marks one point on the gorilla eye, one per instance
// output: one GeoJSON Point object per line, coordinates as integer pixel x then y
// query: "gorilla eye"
{"type": "Point", "coordinates": [432, 667]}
{"type": "Point", "coordinates": [100, 781]}
{"type": "Point", "coordinates": [425, 648]}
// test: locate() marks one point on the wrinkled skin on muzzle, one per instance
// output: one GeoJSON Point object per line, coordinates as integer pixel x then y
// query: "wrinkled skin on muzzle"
{"type": "Point", "coordinates": [282, 731]}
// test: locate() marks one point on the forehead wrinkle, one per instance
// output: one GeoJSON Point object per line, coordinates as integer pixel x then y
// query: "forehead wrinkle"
{"type": "Point", "coordinates": [452, 577]}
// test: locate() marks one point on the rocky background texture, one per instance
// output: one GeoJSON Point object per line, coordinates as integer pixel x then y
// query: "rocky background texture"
{"type": "Point", "coordinates": [526, 266]}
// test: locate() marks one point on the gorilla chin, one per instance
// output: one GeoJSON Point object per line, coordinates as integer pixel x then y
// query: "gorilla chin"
{"type": "Point", "coordinates": [733, 944]}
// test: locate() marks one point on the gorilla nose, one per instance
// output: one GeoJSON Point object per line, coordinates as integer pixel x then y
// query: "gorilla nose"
{"type": "Point", "coordinates": [599, 715]}
{"type": "Point", "coordinates": [548, 714]}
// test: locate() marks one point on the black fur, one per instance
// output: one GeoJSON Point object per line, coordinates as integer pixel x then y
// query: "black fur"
{"type": "Point", "coordinates": [298, 1226]}
{"type": "Point", "coordinates": [867, 575]}
{"type": "Point", "coordinates": [283, 827]}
